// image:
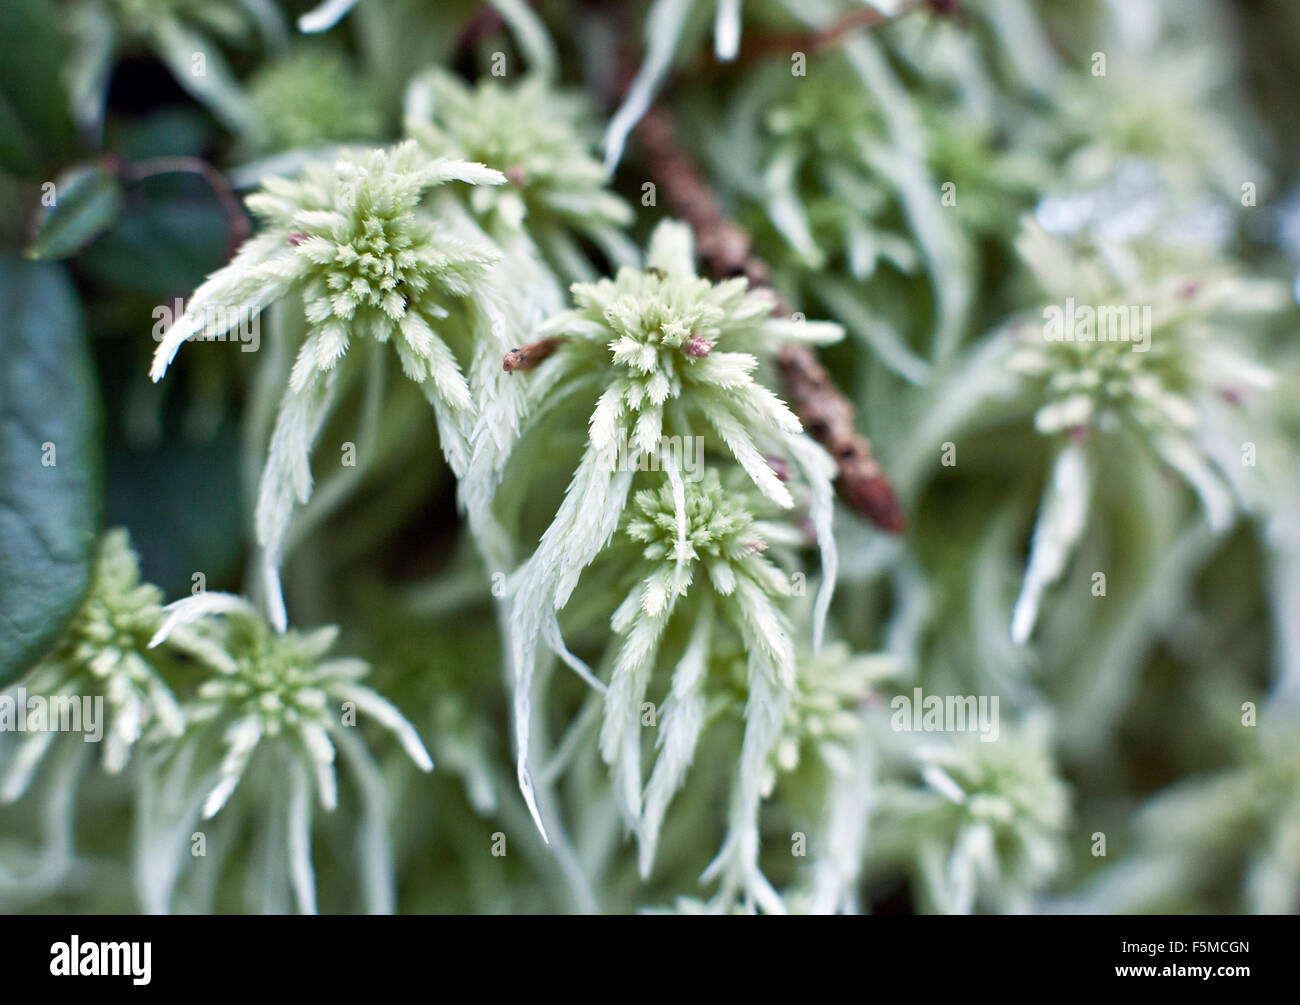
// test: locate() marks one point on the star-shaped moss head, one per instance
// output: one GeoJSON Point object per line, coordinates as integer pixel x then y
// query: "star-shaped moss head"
{"type": "Point", "coordinates": [357, 240]}
{"type": "Point", "coordinates": [534, 135]}
{"type": "Point", "coordinates": [666, 340]}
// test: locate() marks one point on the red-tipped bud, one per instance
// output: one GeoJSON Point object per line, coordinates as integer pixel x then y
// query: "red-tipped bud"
{"type": "Point", "coordinates": [697, 347]}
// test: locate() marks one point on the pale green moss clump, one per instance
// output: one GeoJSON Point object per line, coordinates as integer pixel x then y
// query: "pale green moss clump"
{"type": "Point", "coordinates": [311, 98]}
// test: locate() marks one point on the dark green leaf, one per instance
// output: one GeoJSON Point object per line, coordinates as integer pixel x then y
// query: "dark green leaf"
{"type": "Point", "coordinates": [35, 124]}
{"type": "Point", "coordinates": [168, 240]}
{"type": "Point", "coordinates": [50, 466]}
{"type": "Point", "coordinates": [86, 202]}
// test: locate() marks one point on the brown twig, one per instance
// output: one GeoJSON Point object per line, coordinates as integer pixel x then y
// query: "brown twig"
{"type": "Point", "coordinates": [527, 357]}
{"type": "Point", "coordinates": [722, 244]}
{"type": "Point", "coordinates": [727, 250]}
{"type": "Point", "coordinates": [755, 47]}
{"type": "Point", "coordinates": [828, 415]}
{"type": "Point", "coordinates": [759, 46]}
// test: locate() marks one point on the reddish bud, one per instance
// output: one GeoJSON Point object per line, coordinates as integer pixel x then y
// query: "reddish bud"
{"type": "Point", "coordinates": [527, 357]}
{"type": "Point", "coordinates": [697, 346]}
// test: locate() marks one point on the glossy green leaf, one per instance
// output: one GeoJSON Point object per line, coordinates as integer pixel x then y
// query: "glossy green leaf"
{"type": "Point", "coordinates": [50, 465]}
{"type": "Point", "coordinates": [164, 245]}
{"type": "Point", "coordinates": [86, 201]}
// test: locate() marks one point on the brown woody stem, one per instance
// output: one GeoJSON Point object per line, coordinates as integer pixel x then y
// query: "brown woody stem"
{"type": "Point", "coordinates": [527, 357]}
{"type": "Point", "coordinates": [727, 251]}
{"type": "Point", "coordinates": [755, 47]}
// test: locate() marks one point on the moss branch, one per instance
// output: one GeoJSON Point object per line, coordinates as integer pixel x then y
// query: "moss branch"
{"type": "Point", "coordinates": [727, 250]}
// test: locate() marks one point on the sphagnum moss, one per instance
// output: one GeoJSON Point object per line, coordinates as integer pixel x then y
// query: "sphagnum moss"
{"type": "Point", "coordinates": [626, 492]}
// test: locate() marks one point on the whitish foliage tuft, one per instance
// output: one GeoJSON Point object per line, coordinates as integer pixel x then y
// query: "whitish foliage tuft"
{"type": "Point", "coordinates": [355, 242]}
{"type": "Point", "coordinates": [105, 652]}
